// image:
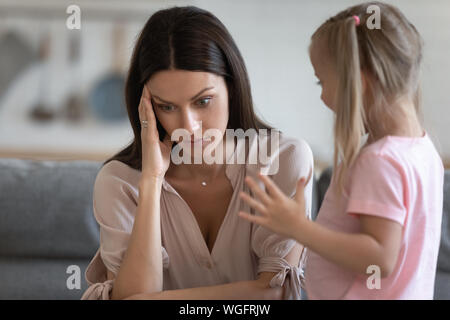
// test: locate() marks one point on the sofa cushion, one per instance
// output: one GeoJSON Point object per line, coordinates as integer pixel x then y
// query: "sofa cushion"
{"type": "Point", "coordinates": [444, 250]}
{"type": "Point", "coordinates": [442, 286]}
{"type": "Point", "coordinates": [46, 208]}
{"type": "Point", "coordinates": [41, 279]}
{"type": "Point", "coordinates": [322, 186]}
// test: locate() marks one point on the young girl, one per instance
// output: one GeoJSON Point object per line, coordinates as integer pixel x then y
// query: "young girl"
{"type": "Point", "coordinates": [378, 230]}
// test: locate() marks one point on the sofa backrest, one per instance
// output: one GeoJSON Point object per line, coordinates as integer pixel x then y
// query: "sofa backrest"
{"type": "Point", "coordinates": [46, 209]}
{"type": "Point", "coordinates": [444, 250]}
{"type": "Point", "coordinates": [46, 226]}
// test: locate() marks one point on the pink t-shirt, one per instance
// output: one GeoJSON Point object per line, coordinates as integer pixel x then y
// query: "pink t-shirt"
{"type": "Point", "coordinates": [397, 178]}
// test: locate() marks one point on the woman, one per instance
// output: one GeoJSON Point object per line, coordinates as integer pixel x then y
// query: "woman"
{"type": "Point", "coordinates": [172, 231]}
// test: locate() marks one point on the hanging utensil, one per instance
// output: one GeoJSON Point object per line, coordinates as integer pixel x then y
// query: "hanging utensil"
{"type": "Point", "coordinates": [74, 110]}
{"type": "Point", "coordinates": [107, 98]}
{"type": "Point", "coordinates": [41, 112]}
{"type": "Point", "coordinates": [15, 56]}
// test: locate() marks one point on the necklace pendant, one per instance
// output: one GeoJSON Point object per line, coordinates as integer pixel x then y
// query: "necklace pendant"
{"type": "Point", "coordinates": [203, 183]}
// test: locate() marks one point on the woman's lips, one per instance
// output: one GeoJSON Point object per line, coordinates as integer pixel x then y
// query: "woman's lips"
{"type": "Point", "coordinates": [200, 141]}
{"type": "Point", "coordinates": [197, 141]}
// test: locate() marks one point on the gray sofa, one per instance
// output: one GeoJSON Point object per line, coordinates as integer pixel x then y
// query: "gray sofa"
{"type": "Point", "coordinates": [48, 233]}
{"type": "Point", "coordinates": [46, 226]}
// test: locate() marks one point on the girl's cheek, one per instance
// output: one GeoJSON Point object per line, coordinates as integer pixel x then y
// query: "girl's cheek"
{"type": "Point", "coordinates": [326, 100]}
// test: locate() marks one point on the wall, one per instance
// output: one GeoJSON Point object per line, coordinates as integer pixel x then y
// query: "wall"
{"type": "Point", "coordinates": [273, 37]}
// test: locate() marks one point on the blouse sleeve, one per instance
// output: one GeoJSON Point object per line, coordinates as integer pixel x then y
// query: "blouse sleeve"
{"type": "Point", "coordinates": [115, 205]}
{"type": "Point", "coordinates": [295, 161]}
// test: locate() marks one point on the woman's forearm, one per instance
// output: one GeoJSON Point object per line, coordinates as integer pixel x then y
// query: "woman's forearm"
{"type": "Point", "coordinates": [242, 290]}
{"type": "Point", "coordinates": [141, 269]}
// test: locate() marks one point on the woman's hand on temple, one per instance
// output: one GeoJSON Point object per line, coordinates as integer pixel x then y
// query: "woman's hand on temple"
{"type": "Point", "coordinates": [155, 154]}
{"type": "Point", "coordinates": [278, 212]}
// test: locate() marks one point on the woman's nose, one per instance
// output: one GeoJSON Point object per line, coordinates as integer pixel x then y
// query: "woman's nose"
{"type": "Point", "coordinates": [191, 122]}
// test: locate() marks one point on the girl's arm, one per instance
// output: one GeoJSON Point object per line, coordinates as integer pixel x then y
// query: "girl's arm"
{"type": "Point", "coordinates": [378, 243]}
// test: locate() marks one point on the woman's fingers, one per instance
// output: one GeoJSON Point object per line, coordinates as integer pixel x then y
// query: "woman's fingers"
{"type": "Point", "coordinates": [167, 142]}
{"type": "Point", "coordinates": [254, 187]}
{"type": "Point", "coordinates": [146, 92]}
{"type": "Point", "coordinates": [146, 112]}
{"type": "Point", "coordinates": [150, 117]}
{"type": "Point", "coordinates": [141, 111]}
{"type": "Point", "coordinates": [253, 203]}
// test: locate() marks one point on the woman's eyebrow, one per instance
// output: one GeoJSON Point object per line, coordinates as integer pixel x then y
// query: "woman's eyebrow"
{"type": "Point", "coordinates": [196, 96]}
{"type": "Point", "coordinates": [193, 98]}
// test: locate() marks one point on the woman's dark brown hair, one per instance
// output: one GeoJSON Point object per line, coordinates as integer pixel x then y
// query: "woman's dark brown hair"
{"type": "Point", "coordinates": [186, 38]}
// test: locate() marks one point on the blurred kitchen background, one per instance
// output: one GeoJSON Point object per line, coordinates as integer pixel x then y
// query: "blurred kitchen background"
{"type": "Point", "coordinates": [61, 90]}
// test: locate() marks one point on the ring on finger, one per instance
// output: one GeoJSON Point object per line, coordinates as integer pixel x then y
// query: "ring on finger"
{"type": "Point", "coordinates": [145, 123]}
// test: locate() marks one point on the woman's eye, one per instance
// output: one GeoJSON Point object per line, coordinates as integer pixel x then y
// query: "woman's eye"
{"type": "Point", "coordinates": [319, 83]}
{"type": "Point", "coordinates": [167, 107]}
{"type": "Point", "coordinates": [204, 102]}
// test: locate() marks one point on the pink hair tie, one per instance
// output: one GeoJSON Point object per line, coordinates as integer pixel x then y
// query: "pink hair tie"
{"type": "Point", "coordinates": [357, 21]}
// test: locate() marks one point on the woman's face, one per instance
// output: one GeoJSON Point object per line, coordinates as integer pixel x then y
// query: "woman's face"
{"type": "Point", "coordinates": [194, 101]}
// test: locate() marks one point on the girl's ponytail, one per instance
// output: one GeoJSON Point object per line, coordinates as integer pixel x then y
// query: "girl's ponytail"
{"type": "Point", "coordinates": [350, 117]}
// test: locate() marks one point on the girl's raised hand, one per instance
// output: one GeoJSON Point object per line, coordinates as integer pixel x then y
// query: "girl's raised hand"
{"type": "Point", "coordinates": [155, 154]}
{"type": "Point", "coordinates": [278, 212]}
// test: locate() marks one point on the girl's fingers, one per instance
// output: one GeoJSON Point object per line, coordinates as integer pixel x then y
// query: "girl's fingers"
{"type": "Point", "coordinates": [272, 188]}
{"type": "Point", "coordinates": [260, 194]}
{"type": "Point", "coordinates": [299, 194]}
{"type": "Point", "coordinates": [252, 218]}
{"type": "Point", "coordinates": [309, 176]}
{"type": "Point", "coordinates": [253, 203]}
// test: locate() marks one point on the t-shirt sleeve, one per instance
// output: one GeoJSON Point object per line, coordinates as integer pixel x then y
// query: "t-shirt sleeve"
{"type": "Point", "coordinates": [295, 161]}
{"type": "Point", "coordinates": [377, 187]}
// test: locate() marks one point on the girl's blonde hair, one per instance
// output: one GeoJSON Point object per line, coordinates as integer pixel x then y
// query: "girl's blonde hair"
{"type": "Point", "coordinates": [390, 59]}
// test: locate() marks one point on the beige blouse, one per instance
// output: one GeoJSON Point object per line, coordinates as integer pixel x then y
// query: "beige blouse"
{"type": "Point", "coordinates": [241, 250]}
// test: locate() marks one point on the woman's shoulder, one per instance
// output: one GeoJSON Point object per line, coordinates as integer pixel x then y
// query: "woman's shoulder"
{"type": "Point", "coordinates": [118, 171]}
{"type": "Point", "coordinates": [295, 157]}
{"type": "Point", "coordinates": [291, 160]}
{"type": "Point", "coordinates": [283, 146]}
{"type": "Point", "coordinates": [295, 148]}
{"type": "Point", "coordinates": [115, 193]}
